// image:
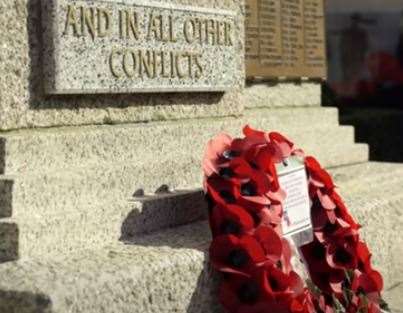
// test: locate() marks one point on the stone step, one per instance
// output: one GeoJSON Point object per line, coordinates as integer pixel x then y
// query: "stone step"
{"type": "Point", "coordinates": [93, 206]}
{"type": "Point", "coordinates": [374, 193]}
{"type": "Point", "coordinates": [170, 272]}
{"type": "Point", "coordinates": [49, 235]}
{"type": "Point", "coordinates": [96, 224]}
{"type": "Point", "coordinates": [56, 148]}
{"type": "Point", "coordinates": [165, 272]}
{"type": "Point", "coordinates": [77, 187]}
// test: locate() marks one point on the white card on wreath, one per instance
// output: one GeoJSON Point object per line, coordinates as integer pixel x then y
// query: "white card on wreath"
{"type": "Point", "coordinates": [293, 180]}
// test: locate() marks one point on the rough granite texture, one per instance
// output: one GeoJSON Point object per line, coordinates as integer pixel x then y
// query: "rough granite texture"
{"type": "Point", "coordinates": [73, 187]}
{"type": "Point", "coordinates": [102, 55]}
{"type": "Point", "coordinates": [282, 94]}
{"type": "Point", "coordinates": [23, 103]}
{"type": "Point", "coordinates": [91, 206]}
{"type": "Point", "coordinates": [168, 272]}
{"type": "Point", "coordinates": [22, 100]}
{"type": "Point", "coordinates": [70, 147]}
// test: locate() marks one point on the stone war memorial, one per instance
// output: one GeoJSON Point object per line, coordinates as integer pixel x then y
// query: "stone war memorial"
{"type": "Point", "coordinates": [106, 108]}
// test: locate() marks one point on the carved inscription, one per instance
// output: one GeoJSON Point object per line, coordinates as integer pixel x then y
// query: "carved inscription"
{"type": "Point", "coordinates": [285, 38]}
{"type": "Point", "coordinates": [105, 46]}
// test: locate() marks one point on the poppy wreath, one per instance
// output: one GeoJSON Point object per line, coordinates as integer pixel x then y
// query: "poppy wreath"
{"type": "Point", "coordinates": [248, 249]}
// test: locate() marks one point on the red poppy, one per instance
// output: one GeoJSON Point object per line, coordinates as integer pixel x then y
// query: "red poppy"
{"type": "Point", "coordinates": [338, 233]}
{"type": "Point", "coordinates": [327, 279]}
{"type": "Point", "coordinates": [253, 183]}
{"type": "Point", "coordinates": [230, 219]}
{"type": "Point", "coordinates": [213, 155]}
{"type": "Point", "coordinates": [286, 266]}
{"type": "Point", "coordinates": [364, 258]}
{"type": "Point", "coordinates": [254, 136]}
{"type": "Point", "coordinates": [303, 303]}
{"type": "Point", "coordinates": [271, 243]}
{"type": "Point", "coordinates": [318, 176]}
{"type": "Point", "coordinates": [341, 211]}
{"type": "Point", "coordinates": [341, 256]}
{"type": "Point", "coordinates": [324, 303]}
{"type": "Point", "coordinates": [283, 147]}
{"type": "Point", "coordinates": [231, 254]}
{"type": "Point", "coordinates": [363, 304]}
{"type": "Point", "coordinates": [240, 294]}
{"type": "Point", "coordinates": [280, 286]}
{"type": "Point", "coordinates": [370, 283]}
{"type": "Point", "coordinates": [321, 185]}
{"type": "Point", "coordinates": [271, 216]}
{"type": "Point", "coordinates": [221, 191]}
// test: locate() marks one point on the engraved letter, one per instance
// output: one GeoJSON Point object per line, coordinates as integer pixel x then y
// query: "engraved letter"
{"type": "Point", "coordinates": [145, 59]}
{"type": "Point", "coordinates": [190, 30]}
{"type": "Point", "coordinates": [211, 32]}
{"type": "Point", "coordinates": [179, 70]}
{"type": "Point", "coordinates": [71, 20]}
{"type": "Point", "coordinates": [132, 25]}
{"type": "Point", "coordinates": [199, 73]}
{"type": "Point", "coordinates": [130, 67]}
{"type": "Point", "coordinates": [154, 27]}
{"type": "Point", "coordinates": [104, 22]}
{"type": "Point", "coordinates": [112, 66]}
{"type": "Point", "coordinates": [228, 34]}
{"type": "Point", "coordinates": [88, 19]}
{"type": "Point", "coordinates": [172, 31]}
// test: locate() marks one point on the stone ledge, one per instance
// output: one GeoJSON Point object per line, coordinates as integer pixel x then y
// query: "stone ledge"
{"type": "Point", "coordinates": [282, 94]}
{"type": "Point", "coordinates": [41, 150]}
{"type": "Point", "coordinates": [165, 272]}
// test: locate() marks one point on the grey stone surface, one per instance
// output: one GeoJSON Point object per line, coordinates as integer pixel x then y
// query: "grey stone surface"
{"type": "Point", "coordinates": [92, 205]}
{"type": "Point", "coordinates": [119, 180]}
{"type": "Point", "coordinates": [138, 46]}
{"type": "Point", "coordinates": [152, 213]}
{"type": "Point", "coordinates": [394, 297]}
{"type": "Point", "coordinates": [73, 187]}
{"type": "Point", "coordinates": [167, 272]}
{"type": "Point", "coordinates": [24, 104]}
{"type": "Point", "coordinates": [282, 94]}
{"type": "Point", "coordinates": [43, 150]}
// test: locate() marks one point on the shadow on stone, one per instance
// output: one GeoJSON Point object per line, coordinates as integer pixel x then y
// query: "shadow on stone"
{"type": "Point", "coordinates": [2, 155]}
{"type": "Point", "coordinates": [381, 128]}
{"type": "Point", "coordinates": [162, 211]}
{"type": "Point", "coordinates": [6, 197]}
{"type": "Point", "coordinates": [206, 292]}
{"type": "Point", "coordinates": [24, 302]}
{"type": "Point", "coordinates": [197, 237]}
{"type": "Point", "coordinates": [9, 247]}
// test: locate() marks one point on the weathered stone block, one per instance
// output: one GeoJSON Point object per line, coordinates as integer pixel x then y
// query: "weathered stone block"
{"type": "Point", "coordinates": [23, 102]}
{"type": "Point", "coordinates": [137, 46]}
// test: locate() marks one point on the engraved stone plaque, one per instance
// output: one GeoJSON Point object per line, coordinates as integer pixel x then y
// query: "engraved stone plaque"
{"type": "Point", "coordinates": [111, 46]}
{"type": "Point", "coordinates": [285, 38]}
